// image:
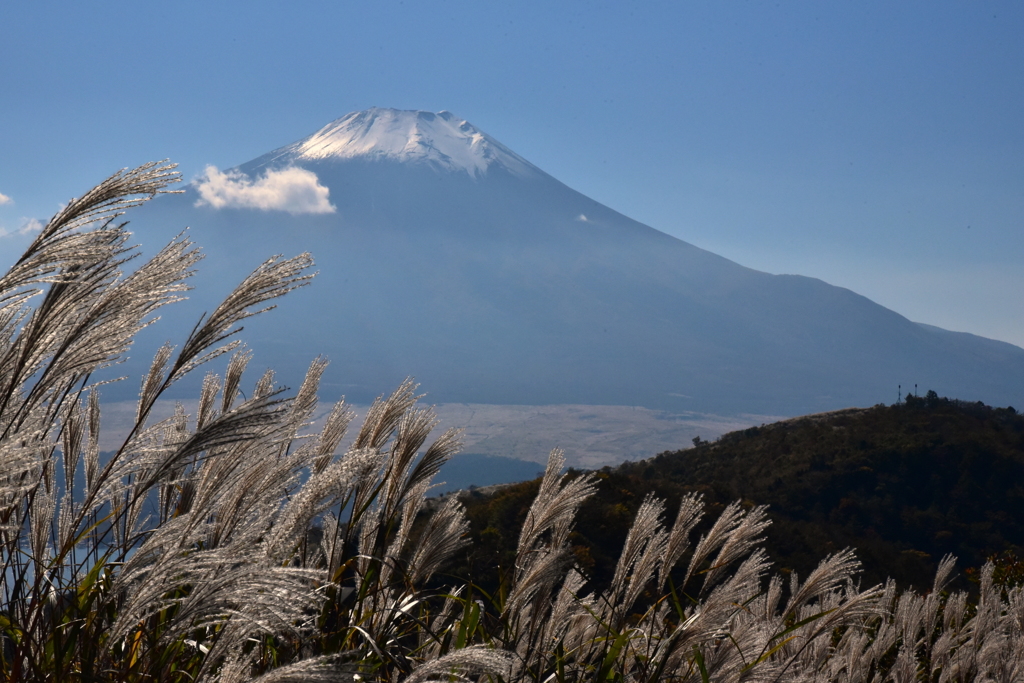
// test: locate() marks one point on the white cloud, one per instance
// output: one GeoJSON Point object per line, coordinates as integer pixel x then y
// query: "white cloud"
{"type": "Point", "coordinates": [4, 199]}
{"type": "Point", "coordinates": [295, 190]}
{"type": "Point", "coordinates": [582, 218]}
{"type": "Point", "coordinates": [30, 226]}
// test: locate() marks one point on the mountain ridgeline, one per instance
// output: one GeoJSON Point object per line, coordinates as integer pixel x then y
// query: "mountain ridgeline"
{"type": "Point", "coordinates": [450, 258]}
{"type": "Point", "coordinates": [903, 485]}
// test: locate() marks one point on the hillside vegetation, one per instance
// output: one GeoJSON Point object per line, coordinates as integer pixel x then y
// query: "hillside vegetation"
{"type": "Point", "coordinates": [904, 485]}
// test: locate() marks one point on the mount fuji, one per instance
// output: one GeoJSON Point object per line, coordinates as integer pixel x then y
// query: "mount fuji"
{"type": "Point", "coordinates": [446, 256]}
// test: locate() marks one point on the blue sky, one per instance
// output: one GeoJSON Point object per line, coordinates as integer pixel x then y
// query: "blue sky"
{"type": "Point", "coordinates": [876, 145]}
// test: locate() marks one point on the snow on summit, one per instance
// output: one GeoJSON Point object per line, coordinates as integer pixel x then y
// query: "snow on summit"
{"type": "Point", "coordinates": [441, 140]}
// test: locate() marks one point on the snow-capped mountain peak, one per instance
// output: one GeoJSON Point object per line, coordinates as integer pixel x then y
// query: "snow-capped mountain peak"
{"type": "Point", "coordinates": [441, 140]}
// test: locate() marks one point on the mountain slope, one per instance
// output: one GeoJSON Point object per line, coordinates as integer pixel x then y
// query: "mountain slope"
{"type": "Point", "coordinates": [450, 258]}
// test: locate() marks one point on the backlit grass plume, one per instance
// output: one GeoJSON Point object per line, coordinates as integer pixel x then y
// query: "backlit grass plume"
{"type": "Point", "coordinates": [186, 553]}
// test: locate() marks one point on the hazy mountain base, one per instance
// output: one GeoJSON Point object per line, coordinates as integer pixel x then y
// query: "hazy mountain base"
{"type": "Point", "coordinates": [501, 289]}
{"type": "Point", "coordinates": [591, 436]}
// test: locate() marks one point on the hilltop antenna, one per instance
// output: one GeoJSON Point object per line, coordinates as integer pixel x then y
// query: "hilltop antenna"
{"type": "Point", "coordinates": [915, 389]}
{"type": "Point", "coordinates": [899, 392]}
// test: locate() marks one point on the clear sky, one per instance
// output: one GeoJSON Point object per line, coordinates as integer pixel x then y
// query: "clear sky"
{"type": "Point", "coordinates": [876, 145]}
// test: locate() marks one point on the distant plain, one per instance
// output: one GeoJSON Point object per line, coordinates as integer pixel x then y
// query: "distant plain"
{"type": "Point", "coordinates": [591, 436]}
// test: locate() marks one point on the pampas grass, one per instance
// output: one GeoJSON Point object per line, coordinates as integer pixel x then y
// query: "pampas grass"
{"type": "Point", "coordinates": [235, 544]}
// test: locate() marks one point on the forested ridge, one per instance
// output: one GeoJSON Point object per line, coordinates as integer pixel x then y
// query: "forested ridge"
{"type": "Point", "coordinates": [903, 485]}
